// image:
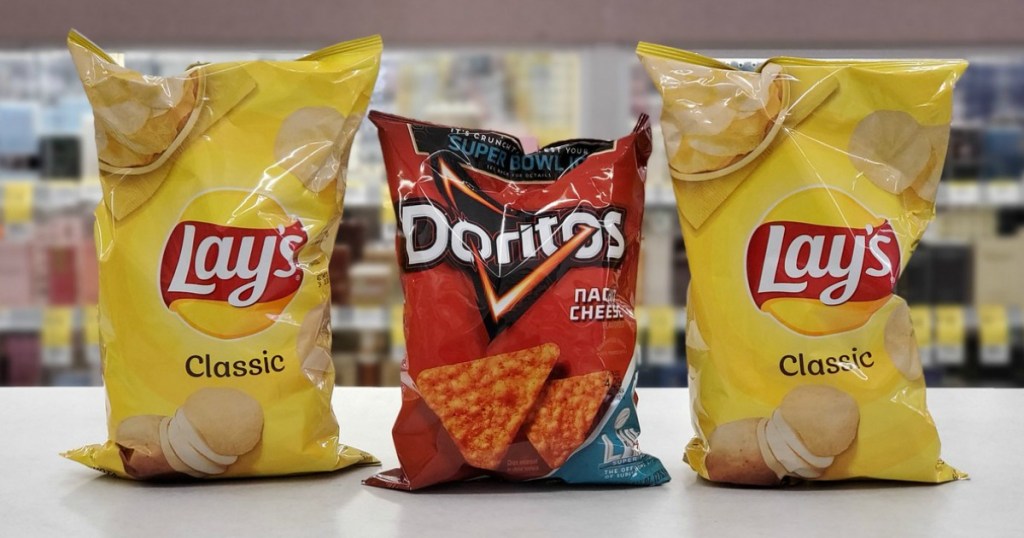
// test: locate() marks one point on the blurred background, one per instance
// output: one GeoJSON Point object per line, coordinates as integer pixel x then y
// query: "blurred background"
{"type": "Point", "coordinates": [547, 70]}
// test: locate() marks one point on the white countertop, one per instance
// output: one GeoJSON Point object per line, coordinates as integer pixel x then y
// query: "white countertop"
{"type": "Point", "coordinates": [42, 494]}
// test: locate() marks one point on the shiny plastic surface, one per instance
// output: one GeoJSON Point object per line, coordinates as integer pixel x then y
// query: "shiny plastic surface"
{"type": "Point", "coordinates": [802, 190]}
{"type": "Point", "coordinates": [519, 272]}
{"type": "Point", "coordinates": [222, 192]}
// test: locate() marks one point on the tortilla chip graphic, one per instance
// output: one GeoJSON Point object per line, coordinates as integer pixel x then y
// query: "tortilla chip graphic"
{"type": "Point", "coordinates": [483, 403]}
{"type": "Point", "coordinates": [565, 414]}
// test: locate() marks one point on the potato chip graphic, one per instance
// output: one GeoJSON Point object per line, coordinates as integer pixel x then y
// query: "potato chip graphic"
{"type": "Point", "coordinates": [726, 147]}
{"type": "Point", "coordinates": [126, 188]}
{"type": "Point", "coordinates": [164, 127]}
{"type": "Point", "coordinates": [482, 403]}
{"type": "Point", "coordinates": [689, 160]}
{"type": "Point", "coordinates": [314, 331]}
{"type": "Point", "coordinates": [139, 118]}
{"type": "Point", "coordinates": [125, 117]}
{"type": "Point", "coordinates": [309, 145]}
{"type": "Point", "coordinates": [927, 184]}
{"type": "Point", "coordinates": [900, 342]}
{"type": "Point", "coordinates": [564, 415]}
{"type": "Point", "coordinates": [718, 116]}
{"type": "Point", "coordinates": [135, 138]}
{"type": "Point", "coordinates": [891, 149]}
{"type": "Point", "coordinates": [697, 195]}
{"type": "Point", "coordinates": [755, 125]}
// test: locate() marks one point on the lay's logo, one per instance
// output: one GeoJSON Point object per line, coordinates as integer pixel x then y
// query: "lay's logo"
{"type": "Point", "coordinates": [829, 263]}
{"type": "Point", "coordinates": [239, 265]}
{"type": "Point", "coordinates": [232, 280]}
{"type": "Point", "coordinates": [822, 278]}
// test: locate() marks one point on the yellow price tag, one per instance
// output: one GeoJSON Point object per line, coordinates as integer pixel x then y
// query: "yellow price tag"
{"type": "Point", "coordinates": [91, 325]}
{"type": "Point", "coordinates": [18, 201]}
{"type": "Point", "coordinates": [387, 210]}
{"type": "Point", "coordinates": [921, 317]}
{"type": "Point", "coordinates": [57, 322]}
{"type": "Point", "coordinates": [949, 325]}
{"type": "Point", "coordinates": [993, 325]}
{"type": "Point", "coordinates": [661, 326]}
{"type": "Point", "coordinates": [398, 325]}
{"type": "Point", "coordinates": [640, 315]}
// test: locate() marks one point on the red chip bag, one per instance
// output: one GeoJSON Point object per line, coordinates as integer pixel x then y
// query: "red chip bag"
{"type": "Point", "coordinates": [519, 272]}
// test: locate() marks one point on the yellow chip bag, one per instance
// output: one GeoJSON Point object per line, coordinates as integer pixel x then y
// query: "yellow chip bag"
{"type": "Point", "coordinates": [802, 190]}
{"type": "Point", "coordinates": [222, 193]}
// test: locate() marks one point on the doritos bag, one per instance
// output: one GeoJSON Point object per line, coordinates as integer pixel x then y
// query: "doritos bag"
{"type": "Point", "coordinates": [222, 192]}
{"type": "Point", "coordinates": [802, 190]}
{"type": "Point", "coordinates": [519, 271]}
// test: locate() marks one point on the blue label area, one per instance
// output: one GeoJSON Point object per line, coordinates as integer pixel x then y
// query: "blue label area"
{"type": "Point", "coordinates": [502, 155]}
{"type": "Point", "coordinates": [612, 455]}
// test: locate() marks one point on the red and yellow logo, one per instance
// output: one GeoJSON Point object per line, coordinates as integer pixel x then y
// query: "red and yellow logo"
{"type": "Point", "coordinates": [824, 277]}
{"type": "Point", "coordinates": [230, 266]}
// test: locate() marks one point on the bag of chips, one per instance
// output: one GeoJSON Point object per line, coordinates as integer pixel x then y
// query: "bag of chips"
{"type": "Point", "coordinates": [802, 189]}
{"type": "Point", "coordinates": [222, 192]}
{"type": "Point", "coordinates": [519, 271]}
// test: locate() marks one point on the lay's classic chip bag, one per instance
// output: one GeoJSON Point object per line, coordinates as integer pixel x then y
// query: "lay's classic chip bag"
{"type": "Point", "coordinates": [802, 190]}
{"type": "Point", "coordinates": [222, 192]}
{"type": "Point", "coordinates": [519, 271]}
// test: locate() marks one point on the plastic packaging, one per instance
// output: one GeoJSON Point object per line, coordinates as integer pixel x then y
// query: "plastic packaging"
{"type": "Point", "coordinates": [802, 190]}
{"type": "Point", "coordinates": [519, 272]}
{"type": "Point", "coordinates": [222, 192]}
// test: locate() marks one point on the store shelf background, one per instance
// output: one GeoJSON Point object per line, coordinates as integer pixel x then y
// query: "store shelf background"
{"type": "Point", "coordinates": [965, 281]}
